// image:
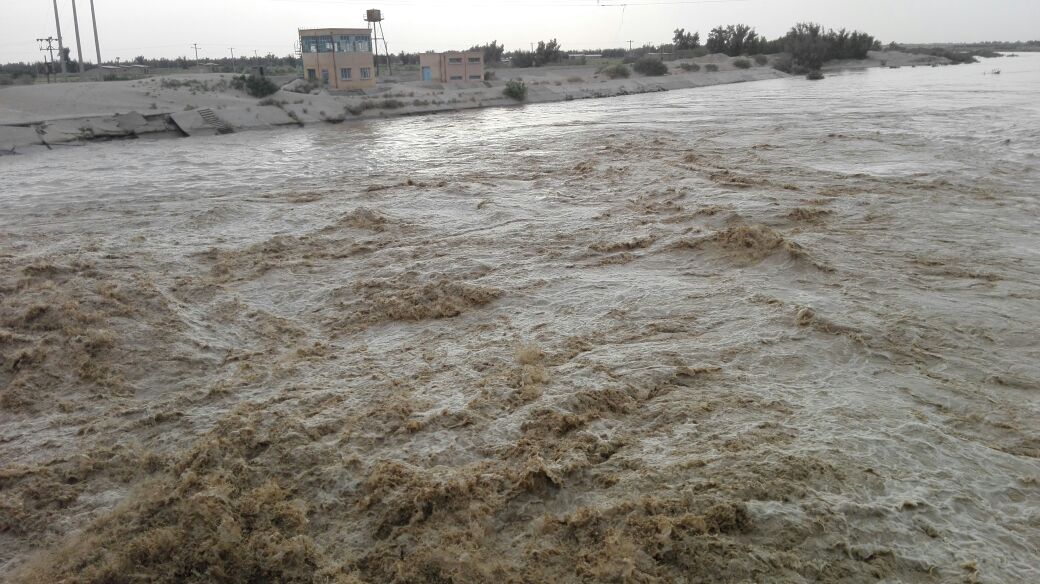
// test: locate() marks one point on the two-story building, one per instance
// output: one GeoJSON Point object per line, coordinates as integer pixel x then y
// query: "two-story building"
{"type": "Point", "coordinates": [456, 66]}
{"type": "Point", "coordinates": [338, 58]}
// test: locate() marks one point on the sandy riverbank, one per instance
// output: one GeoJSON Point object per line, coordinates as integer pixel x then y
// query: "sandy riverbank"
{"type": "Point", "coordinates": [204, 104]}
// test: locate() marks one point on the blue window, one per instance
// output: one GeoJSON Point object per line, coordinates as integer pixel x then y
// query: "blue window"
{"type": "Point", "coordinates": [319, 44]}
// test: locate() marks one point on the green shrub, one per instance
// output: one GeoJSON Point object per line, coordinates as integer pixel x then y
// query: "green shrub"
{"type": "Point", "coordinates": [814, 75]}
{"type": "Point", "coordinates": [689, 67]}
{"type": "Point", "coordinates": [515, 89]}
{"type": "Point", "coordinates": [741, 63]}
{"type": "Point", "coordinates": [253, 85]}
{"type": "Point", "coordinates": [711, 68]}
{"type": "Point", "coordinates": [618, 70]}
{"type": "Point", "coordinates": [810, 45]}
{"type": "Point", "coordinates": [650, 66]}
{"type": "Point", "coordinates": [761, 60]}
{"type": "Point", "coordinates": [391, 104]}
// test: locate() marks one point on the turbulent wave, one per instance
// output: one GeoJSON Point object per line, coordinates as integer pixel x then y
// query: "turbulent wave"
{"type": "Point", "coordinates": [689, 346]}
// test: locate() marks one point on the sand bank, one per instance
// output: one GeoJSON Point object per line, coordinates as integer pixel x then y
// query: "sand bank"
{"type": "Point", "coordinates": [204, 104]}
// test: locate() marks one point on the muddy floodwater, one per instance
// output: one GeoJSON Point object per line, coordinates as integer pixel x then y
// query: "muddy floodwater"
{"type": "Point", "coordinates": [780, 331]}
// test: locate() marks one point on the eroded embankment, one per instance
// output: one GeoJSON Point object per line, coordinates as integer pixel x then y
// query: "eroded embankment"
{"type": "Point", "coordinates": [672, 362]}
{"type": "Point", "coordinates": [226, 110]}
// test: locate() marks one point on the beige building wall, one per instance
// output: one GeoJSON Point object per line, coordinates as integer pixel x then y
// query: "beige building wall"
{"type": "Point", "coordinates": [452, 67]}
{"type": "Point", "coordinates": [339, 58]}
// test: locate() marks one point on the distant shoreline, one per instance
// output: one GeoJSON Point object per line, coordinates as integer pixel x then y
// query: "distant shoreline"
{"type": "Point", "coordinates": [44, 116]}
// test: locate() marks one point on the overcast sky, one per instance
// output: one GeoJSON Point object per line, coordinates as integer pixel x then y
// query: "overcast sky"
{"type": "Point", "coordinates": [168, 27]}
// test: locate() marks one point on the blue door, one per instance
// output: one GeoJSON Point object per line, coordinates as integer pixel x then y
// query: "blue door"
{"type": "Point", "coordinates": [427, 74]}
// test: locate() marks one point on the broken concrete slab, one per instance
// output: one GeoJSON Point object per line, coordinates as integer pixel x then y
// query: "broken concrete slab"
{"type": "Point", "coordinates": [14, 137]}
{"type": "Point", "coordinates": [191, 123]}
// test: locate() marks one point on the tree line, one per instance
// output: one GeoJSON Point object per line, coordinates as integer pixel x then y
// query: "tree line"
{"type": "Point", "coordinates": [809, 44]}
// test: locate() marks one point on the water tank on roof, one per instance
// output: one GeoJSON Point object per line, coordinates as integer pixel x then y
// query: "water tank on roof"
{"type": "Point", "coordinates": [373, 15]}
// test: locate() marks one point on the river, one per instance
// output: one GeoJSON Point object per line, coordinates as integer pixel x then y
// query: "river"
{"type": "Point", "coordinates": [776, 331]}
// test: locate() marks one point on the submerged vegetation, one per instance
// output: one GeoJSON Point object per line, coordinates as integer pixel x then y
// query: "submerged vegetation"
{"type": "Point", "coordinates": [958, 57]}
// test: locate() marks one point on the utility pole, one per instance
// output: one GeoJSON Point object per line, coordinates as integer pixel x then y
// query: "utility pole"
{"type": "Point", "coordinates": [196, 47]}
{"type": "Point", "coordinates": [61, 47]}
{"type": "Point", "coordinates": [50, 46]}
{"type": "Point", "coordinates": [629, 46]}
{"type": "Point", "coordinates": [97, 43]}
{"type": "Point", "coordinates": [79, 46]}
{"type": "Point", "coordinates": [49, 49]}
{"type": "Point", "coordinates": [232, 53]}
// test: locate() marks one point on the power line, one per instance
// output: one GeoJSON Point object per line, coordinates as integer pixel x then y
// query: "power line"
{"type": "Point", "coordinates": [49, 49]}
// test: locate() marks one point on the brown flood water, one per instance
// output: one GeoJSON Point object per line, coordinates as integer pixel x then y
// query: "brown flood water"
{"type": "Point", "coordinates": [775, 332]}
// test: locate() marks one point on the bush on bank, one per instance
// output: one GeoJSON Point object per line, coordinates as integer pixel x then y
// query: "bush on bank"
{"type": "Point", "coordinates": [515, 89]}
{"type": "Point", "coordinates": [619, 70]}
{"type": "Point", "coordinates": [650, 67]}
{"type": "Point", "coordinates": [254, 86]}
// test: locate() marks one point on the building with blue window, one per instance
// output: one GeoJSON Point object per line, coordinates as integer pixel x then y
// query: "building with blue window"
{"type": "Point", "coordinates": [338, 58]}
